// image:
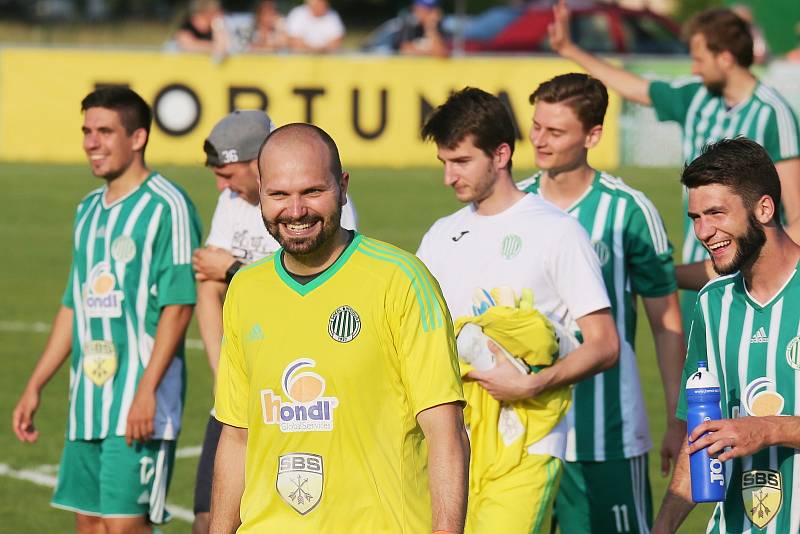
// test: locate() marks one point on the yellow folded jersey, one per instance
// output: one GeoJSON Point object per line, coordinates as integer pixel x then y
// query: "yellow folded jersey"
{"type": "Point", "coordinates": [500, 433]}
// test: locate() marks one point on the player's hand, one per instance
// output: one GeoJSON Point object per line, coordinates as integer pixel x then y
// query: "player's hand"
{"type": "Point", "coordinates": [504, 382]}
{"type": "Point", "coordinates": [558, 30]}
{"type": "Point", "coordinates": [211, 263]}
{"type": "Point", "coordinates": [140, 417]}
{"type": "Point", "coordinates": [672, 444]}
{"type": "Point", "coordinates": [22, 417]}
{"type": "Point", "coordinates": [744, 436]}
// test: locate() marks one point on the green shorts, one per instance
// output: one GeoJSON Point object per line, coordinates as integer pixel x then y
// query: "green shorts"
{"type": "Point", "coordinates": [107, 478]}
{"type": "Point", "coordinates": [605, 497]}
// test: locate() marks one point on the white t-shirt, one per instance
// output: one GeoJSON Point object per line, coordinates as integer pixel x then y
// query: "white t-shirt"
{"type": "Point", "coordinates": [237, 226]}
{"type": "Point", "coordinates": [532, 245]}
{"type": "Point", "coordinates": [315, 31]}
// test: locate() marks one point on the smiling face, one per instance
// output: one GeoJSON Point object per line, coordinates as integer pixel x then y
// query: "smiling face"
{"type": "Point", "coordinates": [240, 177]}
{"type": "Point", "coordinates": [109, 148]}
{"type": "Point", "coordinates": [560, 141]}
{"type": "Point", "coordinates": [469, 170]}
{"type": "Point", "coordinates": [301, 202]}
{"type": "Point", "coordinates": [724, 225]}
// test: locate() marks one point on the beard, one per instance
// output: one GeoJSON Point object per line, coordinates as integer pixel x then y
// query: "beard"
{"type": "Point", "coordinates": [748, 248]}
{"type": "Point", "coordinates": [715, 87]}
{"type": "Point", "coordinates": [302, 246]}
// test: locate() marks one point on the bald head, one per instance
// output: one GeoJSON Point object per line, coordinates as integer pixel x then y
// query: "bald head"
{"type": "Point", "coordinates": [300, 142]}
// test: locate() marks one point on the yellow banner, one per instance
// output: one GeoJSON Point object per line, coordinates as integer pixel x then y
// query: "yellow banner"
{"type": "Point", "coordinates": [372, 106]}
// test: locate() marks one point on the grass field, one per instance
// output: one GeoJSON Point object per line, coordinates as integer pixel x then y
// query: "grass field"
{"type": "Point", "coordinates": [35, 227]}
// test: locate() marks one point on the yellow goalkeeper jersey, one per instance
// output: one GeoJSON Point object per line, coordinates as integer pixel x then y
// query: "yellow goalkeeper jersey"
{"type": "Point", "coordinates": [328, 378]}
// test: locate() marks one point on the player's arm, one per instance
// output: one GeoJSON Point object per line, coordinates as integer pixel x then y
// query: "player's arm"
{"type": "Point", "coordinates": [745, 436]}
{"type": "Point", "coordinates": [170, 331]}
{"type": "Point", "coordinates": [693, 276]}
{"type": "Point", "coordinates": [57, 349]}
{"type": "Point", "coordinates": [212, 263]}
{"type": "Point", "coordinates": [677, 502]}
{"type": "Point", "coordinates": [789, 174]}
{"type": "Point", "coordinates": [210, 297]}
{"type": "Point", "coordinates": [228, 483]}
{"type": "Point", "coordinates": [629, 85]}
{"type": "Point", "coordinates": [448, 464]}
{"type": "Point", "coordinates": [664, 315]}
{"type": "Point", "coordinates": [598, 352]}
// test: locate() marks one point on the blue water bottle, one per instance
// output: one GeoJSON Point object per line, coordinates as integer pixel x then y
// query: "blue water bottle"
{"type": "Point", "coordinates": [702, 399]}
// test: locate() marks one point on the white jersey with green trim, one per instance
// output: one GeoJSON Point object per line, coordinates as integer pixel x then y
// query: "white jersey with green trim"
{"type": "Point", "coordinates": [130, 259]}
{"type": "Point", "coordinates": [754, 350]}
{"type": "Point", "coordinates": [608, 420]}
{"type": "Point", "coordinates": [531, 244]}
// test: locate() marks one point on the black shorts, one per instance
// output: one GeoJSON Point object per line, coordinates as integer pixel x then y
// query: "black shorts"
{"type": "Point", "coordinates": [205, 468]}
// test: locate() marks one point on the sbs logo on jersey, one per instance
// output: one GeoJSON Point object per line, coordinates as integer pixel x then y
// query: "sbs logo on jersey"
{"type": "Point", "coordinates": [511, 246]}
{"type": "Point", "coordinates": [793, 353]}
{"type": "Point", "coordinates": [344, 324]}
{"type": "Point", "coordinates": [762, 495]}
{"type": "Point", "coordinates": [300, 480]}
{"type": "Point", "coordinates": [99, 296]}
{"type": "Point", "coordinates": [307, 410]}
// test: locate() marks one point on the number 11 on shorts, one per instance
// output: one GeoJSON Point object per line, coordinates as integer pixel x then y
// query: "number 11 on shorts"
{"type": "Point", "coordinates": [621, 517]}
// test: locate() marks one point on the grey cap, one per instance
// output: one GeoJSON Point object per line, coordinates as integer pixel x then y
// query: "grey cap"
{"type": "Point", "coordinates": [237, 137]}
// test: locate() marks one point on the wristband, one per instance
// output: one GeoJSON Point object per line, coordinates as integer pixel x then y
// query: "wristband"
{"type": "Point", "coordinates": [235, 266]}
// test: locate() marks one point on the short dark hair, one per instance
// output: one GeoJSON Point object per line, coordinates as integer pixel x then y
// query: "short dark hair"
{"type": "Point", "coordinates": [724, 31]}
{"type": "Point", "coordinates": [584, 95]}
{"type": "Point", "coordinates": [335, 162]}
{"type": "Point", "coordinates": [134, 112]}
{"type": "Point", "coordinates": [740, 164]}
{"type": "Point", "coordinates": [472, 112]}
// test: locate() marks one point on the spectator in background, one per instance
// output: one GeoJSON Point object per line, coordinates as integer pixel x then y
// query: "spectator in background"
{"type": "Point", "coordinates": [760, 47]}
{"type": "Point", "coordinates": [269, 29]}
{"type": "Point", "coordinates": [421, 33]}
{"type": "Point", "coordinates": [204, 29]}
{"type": "Point", "coordinates": [314, 27]}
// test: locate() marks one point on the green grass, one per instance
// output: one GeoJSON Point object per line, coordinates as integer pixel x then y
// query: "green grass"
{"type": "Point", "coordinates": [35, 227]}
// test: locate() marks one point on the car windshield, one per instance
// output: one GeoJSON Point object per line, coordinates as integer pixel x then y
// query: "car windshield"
{"type": "Point", "coordinates": [491, 22]}
{"type": "Point", "coordinates": [646, 35]}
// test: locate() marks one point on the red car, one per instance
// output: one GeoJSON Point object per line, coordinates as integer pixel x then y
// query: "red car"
{"type": "Point", "coordinates": [596, 27]}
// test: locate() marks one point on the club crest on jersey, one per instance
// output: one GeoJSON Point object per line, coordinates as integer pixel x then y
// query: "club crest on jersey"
{"type": "Point", "coordinates": [760, 398]}
{"type": "Point", "coordinates": [99, 296]}
{"type": "Point", "coordinates": [306, 409]}
{"type": "Point", "coordinates": [300, 480]}
{"type": "Point", "coordinates": [793, 353]}
{"type": "Point", "coordinates": [510, 246]}
{"type": "Point", "coordinates": [344, 324]}
{"type": "Point", "coordinates": [123, 249]}
{"type": "Point", "coordinates": [603, 254]}
{"type": "Point", "coordinates": [762, 494]}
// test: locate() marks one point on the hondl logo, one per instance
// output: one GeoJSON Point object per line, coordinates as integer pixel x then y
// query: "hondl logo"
{"type": "Point", "coordinates": [306, 409]}
{"type": "Point", "coordinates": [99, 295]}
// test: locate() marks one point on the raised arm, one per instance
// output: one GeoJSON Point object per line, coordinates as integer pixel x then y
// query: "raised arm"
{"type": "Point", "coordinates": [228, 484]}
{"type": "Point", "coordinates": [664, 315]}
{"type": "Point", "coordinates": [629, 85]}
{"type": "Point", "coordinates": [57, 349]}
{"type": "Point", "coordinates": [448, 465]}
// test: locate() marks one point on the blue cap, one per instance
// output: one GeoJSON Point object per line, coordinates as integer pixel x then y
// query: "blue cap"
{"type": "Point", "coordinates": [427, 3]}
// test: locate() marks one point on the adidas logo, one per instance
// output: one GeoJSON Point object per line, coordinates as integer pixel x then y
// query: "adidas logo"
{"type": "Point", "coordinates": [255, 334]}
{"type": "Point", "coordinates": [760, 336]}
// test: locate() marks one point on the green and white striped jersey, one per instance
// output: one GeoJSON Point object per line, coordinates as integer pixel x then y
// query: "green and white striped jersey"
{"type": "Point", "coordinates": [608, 421]}
{"type": "Point", "coordinates": [765, 117]}
{"type": "Point", "coordinates": [130, 259]}
{"type": "Point", "coordinates": [752, 348]}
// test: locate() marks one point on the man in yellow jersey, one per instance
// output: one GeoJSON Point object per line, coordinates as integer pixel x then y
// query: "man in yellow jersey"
{"type": "Point", "coordinates": [338, 384]}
